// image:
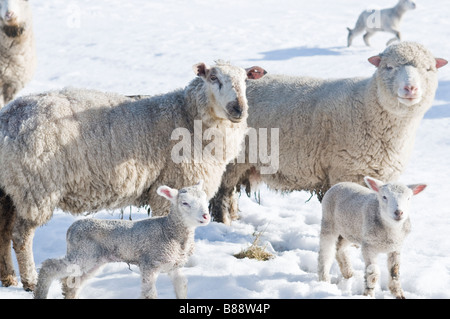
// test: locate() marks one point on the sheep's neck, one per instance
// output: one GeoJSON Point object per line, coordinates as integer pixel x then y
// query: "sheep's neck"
{"type": "Point", "coordinates": [399, 10]}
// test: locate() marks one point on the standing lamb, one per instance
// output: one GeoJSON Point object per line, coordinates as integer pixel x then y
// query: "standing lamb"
{"type": "Point", "coordinates": [159, 244]}
{"type": "Point", "coordinates": [84, 151]}
{"type": "Point", "coordinates": [333, 131]}
{"type": "Point", "coordinates": [17, 48]}
{"type": "Point", "coordinates": [377, 219]}
{"type": "Point", "coordinates": [387, 20]}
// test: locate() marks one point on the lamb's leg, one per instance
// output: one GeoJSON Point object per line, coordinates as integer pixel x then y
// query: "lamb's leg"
{"type": "Point", "coordinates": [51, 269]}
{"type": "Point", "coordinates": [397, 37]}
{"type": "Point", "coordinates": [179, 283]}
{"type": "Point", "coordinates": [372, 272]}
{"type": "Point", "coordinates": [7, 216]}
{"type": "Point", "coordinates": [394, 275]}
{"type": "Point", "coordinates": [149, 276]}
{"type": "Point", "coordinates": [327, 251]}
{"type": "Point", "coordinates": [72, 284]}
{"type": "Point", "coordinates": [367, 36]}
{"type": "Point", "coordinates": [22, 236]}
{"type": "Point", "coordinates": [343, 258]}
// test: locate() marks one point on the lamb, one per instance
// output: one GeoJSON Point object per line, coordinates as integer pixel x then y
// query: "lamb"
{"type": "Point", "coordinates": [387, 20]}
{"type": "Point", "coordinates": [333, 131]}
{"type": "Point", "coordinates": [158, 244]}
{"type": "Point", "coordinates": [377, 219]}
{"type": "Point", "coordinates": [17, 48]}
{"type": "Point", "coordinates": [84, 151]}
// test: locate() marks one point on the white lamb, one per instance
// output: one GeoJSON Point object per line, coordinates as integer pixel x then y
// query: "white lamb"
{"type": "Point", "coordinates": [159, 244]}
{"type": "Point", "coordinates": [337, 130]}
{"type": "Point", "coordinates": [84, 151]}
{"type": "Point", "coordinates": [375, 218]}
{"type": "Point", "coordinates": [17, 48]}
{"type": "Point", "coordinates": [387, 20]}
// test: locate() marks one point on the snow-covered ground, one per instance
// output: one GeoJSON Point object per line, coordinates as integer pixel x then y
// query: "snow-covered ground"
{"type": "Point", "coordinates": [149, 46]}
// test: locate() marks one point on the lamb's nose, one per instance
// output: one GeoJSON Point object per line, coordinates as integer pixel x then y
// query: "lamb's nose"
{"type": "Point", "coordinates": [398, 213]}
{"type": "Point", "coordinates": [205, 216]}
{"type": "Point", "coordinates": [411, 89]}
{"type": "Point", "coordinates": [9, 15]}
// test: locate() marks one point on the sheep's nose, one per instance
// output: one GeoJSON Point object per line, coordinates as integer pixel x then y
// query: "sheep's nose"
{"type": "Point", "coordinates": [411, 89]}
{"type": "Point", "coordinates": [9, 15]}
{"type": "Point", "coordinates": [398, 213]}
{"type": "Point", "coordinates": [205, 216]}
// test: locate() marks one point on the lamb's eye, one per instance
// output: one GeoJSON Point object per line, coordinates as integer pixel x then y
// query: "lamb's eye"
{"type": "Point", "coordinates": [384, 197]}
{"type": "Point", "coordinates": [430, 69]}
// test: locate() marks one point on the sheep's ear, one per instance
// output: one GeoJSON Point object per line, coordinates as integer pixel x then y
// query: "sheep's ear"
{"type": "Point", "coordinates": [200, 69]}
{"type": "Point", "coordinates": [441, 62]}
{"type": "Point", "coordinates": [417, 188]}
{"type": "Point", "coordinates": [167, 192]}
{"type": "Point", "coordinates": [375, 60]}
{"type": "Point", "coordinates": [373, 183]}
{"type": "Point", "coordinates": [255, 72]}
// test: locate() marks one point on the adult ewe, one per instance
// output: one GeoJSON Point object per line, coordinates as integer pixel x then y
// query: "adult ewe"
{"type": "Point", "coordinates": [17, 48]}
{"type": "Point", "coordinates": [84, 151]}
{"type": "Point", "coordinates": [332, 131]}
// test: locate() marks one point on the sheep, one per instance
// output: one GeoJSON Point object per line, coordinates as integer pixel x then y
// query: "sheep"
{"type": "Point", "coordinates": [84, 151]}
{"type": "Point", "coordinates": [17, 48]}
{"type": "Point", "coordinates": [376, 218]}
{"type": "Point", "coordinates": [158, 244]}
{"type": "Point", "coordinates": [339, 130]}
{"type": "Point", "coordinates": [387, 20]}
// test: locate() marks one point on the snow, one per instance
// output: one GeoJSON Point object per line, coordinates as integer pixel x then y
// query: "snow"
{"type": "Point", "coordinates": [148, 47]}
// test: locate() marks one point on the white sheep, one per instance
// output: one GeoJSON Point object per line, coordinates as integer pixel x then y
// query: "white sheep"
{"type": "Point", "coordinates": [159, 244]}
{"type": "Point", "coordinates": [387, 20]}
{"type": "Point", "coordinates": [375, 218]}
{"type": "Point", "coordinates": [17, 48]}
{"type": "Point", "coordinates": [84, 151]}
{"type": "Point", "coordinates": [332, 131]}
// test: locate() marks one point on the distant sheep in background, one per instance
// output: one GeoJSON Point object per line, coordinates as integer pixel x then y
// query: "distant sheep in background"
{"type": "Point", "coordinates": [375, 218]}
{"type": "Point", "coordinates": [17, 48]}
{"type": "Point", "coordinates": [159, 244]}
{"type": "Point", "coordinates": [337, 130]}
{"type": "Point", "coordinates": [84, 151]}
{"type": "Point", "coordinates": [387, 20]}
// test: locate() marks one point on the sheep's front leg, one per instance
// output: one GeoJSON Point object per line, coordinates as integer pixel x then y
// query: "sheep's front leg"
{"type": "Point", "coordinates": [179, 283]}
{"type": "Point", "coordinates": [394, 275]}
{"type": "Point", "coordinates": [149, 276]}
{"type": "Point", "coordinates": [372, 272]}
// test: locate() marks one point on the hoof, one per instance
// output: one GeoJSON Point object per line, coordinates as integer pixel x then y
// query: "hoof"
{"type": "Point", "coordinates": [9, 281]}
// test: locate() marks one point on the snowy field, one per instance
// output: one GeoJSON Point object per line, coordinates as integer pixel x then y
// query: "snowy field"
{"type": "Point", "coordinates": [149, 46]}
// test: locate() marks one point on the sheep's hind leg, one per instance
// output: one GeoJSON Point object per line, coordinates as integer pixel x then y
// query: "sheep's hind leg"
{"type": "Point", "coordinates": [367, 36]}
{"type": "Point", "coordinates": [343, 258]}
{"type": "Point", "coordinates": [22, 236]}
{"type": "Point", "coordinates": [326, 255]}
{"type": "Point", "coordinates": [7, 216]}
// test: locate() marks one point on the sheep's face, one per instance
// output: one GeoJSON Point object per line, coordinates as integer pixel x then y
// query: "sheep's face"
{"type": "Point", "coordinates": [394, 199]}
{"type": "Point", "coordinates": [407, 73]}
{"type": "Point", "coordinates": [13, 12]}
{"type": "Point", "coordinates": [191, 203]}
{"type": "Point", "coordinates": [226, 87]}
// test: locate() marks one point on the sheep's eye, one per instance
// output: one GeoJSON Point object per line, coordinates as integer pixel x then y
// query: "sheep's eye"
{"type": "Point", "coordinates": [430, 69]}
{"type": "Point", "coordinates": [213, 78]}
{"type": "Point", "coordinates": [384, 197]}
{"type": "Point", "coordinates": [389, 67]}
{"type": "Point", "coordinates": [186, 204]}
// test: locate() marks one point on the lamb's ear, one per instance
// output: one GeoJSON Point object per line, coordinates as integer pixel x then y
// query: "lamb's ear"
{"type": "Point", "coordinates": [375, 60]}
{"type": "Point", "coordinates": [417, 188]}
{"type": "Point", "coordinates": [373, 183]}
{"type": "Point", "coordinates": [200, 69]}
{"type": "Point", "coordinates": [255, 72]}
{"type": "Point", "coordinates": [167, 192]}
{"type": "Point", "coordinates": [200, 184]}
{"type": "Point", "coordinates": [441, 62]}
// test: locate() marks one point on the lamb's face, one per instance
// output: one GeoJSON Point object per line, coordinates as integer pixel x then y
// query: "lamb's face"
{"type": "Point", "coordinates": [193, 205]}
{"type": "Point", "coordinates": [406, 75]}
{"type": "Point", "coordinates": [13, 12]}
{"type": "Point", "coordinates": [227, 89]}
{"type": "Point", "coordinates": [408, 4]}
